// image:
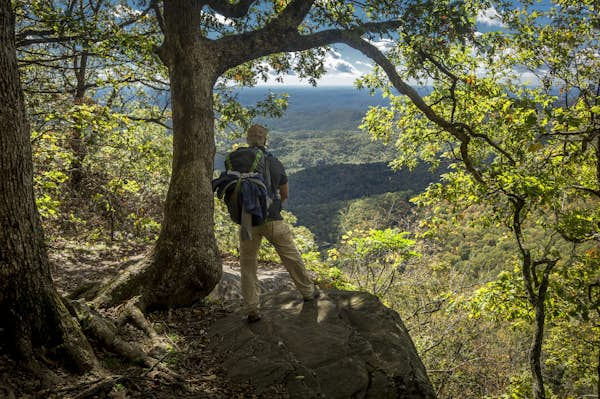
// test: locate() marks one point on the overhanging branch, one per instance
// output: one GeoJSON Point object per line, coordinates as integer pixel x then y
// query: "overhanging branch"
{"type": "Point", "coordinates": [47, 40]}
{"type": "Point", "coordinates": [277, 38]}
{"type": "Point", "coordinates": [456, 130]}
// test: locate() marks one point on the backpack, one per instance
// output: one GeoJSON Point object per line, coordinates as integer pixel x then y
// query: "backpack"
{"type": "Point", "coordinates": [245, 186]}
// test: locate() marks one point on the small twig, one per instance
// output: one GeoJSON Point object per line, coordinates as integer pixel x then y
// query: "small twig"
{"type": "Point", "coordinates": [159, 361]}
{"type": "Point", "coordinates": [101, 386]}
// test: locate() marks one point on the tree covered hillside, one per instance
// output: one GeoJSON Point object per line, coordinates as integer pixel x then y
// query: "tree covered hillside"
{"type": "Point", "coordinates": [305, 149]}
{"type": "Point", "coordinates": [328, 169]}
{"type": "Point", "coordinates": [318, 194]}
{"type": "Point", "coordinates": [316, 109]}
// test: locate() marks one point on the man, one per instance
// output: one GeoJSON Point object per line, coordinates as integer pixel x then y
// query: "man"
{"type": "Point", "coordinates": [276, 231]}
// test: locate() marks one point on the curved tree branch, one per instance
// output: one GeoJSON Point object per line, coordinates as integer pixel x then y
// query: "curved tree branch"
{"type": "Point", "coordinates": [376, 55]}
{"type": "Point", "coordinates": [278, 38]}
{"type": "Point", "coordinates": [456, 130]}
{"type": "Point", "coordinates": [238, 49]}
{"type": "Point", "coordinates": [137, 17]}
{"type": "Point", "coordinates": [587, 190]}
{"type": "Point", "coordinates": [47, 40]}
{"type": "Point", "coordinates": [489, 141]}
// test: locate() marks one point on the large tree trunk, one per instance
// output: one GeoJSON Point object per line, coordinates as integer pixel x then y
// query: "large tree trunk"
{"type": "Point", "coordinates": [31, 313]}
{"type": "Point", "coordinates": [185, 264]}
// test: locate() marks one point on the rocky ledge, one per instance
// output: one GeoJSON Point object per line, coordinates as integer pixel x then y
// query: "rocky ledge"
{"type": "Point", "coordinates": [341, 345]}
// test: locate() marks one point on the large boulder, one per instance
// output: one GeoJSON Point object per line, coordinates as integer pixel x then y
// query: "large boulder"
{"type": "Point", "coordinates": [341, 345]}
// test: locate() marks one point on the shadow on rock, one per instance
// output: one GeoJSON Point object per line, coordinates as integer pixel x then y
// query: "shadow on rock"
{"type": "Point", "coordinates": [341, 345]}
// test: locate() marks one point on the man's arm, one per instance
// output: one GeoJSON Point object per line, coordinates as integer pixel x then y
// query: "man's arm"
{"type": "Point", "coordinates": [283, 192]}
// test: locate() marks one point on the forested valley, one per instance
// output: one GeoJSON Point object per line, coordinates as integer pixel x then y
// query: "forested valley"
{"type": "Point", "coordinates": [458, 182]}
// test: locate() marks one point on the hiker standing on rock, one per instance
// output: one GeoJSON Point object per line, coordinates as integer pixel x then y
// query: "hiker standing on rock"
{"type": "Point", "coordinates": [275, 230]}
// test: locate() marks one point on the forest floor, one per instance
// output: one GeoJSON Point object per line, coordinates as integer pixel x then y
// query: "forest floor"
{"type": "Point", "coordinates": [198, 372]}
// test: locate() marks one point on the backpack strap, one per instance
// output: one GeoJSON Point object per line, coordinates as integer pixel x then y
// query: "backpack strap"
{"type": "Point", "coordinates": [228, 164]}
{"type": "Point", "coordinates": [268, 181]}
{"type": "Point", "coordinates": [257, 158]}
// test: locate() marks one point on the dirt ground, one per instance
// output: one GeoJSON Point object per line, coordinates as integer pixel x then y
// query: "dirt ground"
{"type": "Point", "coordinates": [187, 369]}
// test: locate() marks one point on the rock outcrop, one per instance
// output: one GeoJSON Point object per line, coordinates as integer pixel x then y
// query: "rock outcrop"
{"type": "Point", "coordinates": [341, 345]}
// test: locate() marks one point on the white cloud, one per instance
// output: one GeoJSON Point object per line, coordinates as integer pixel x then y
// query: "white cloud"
{"type": "Point", "coordinates": [223, 19]}
{"type": "Point", "coordinates": [122, 11]}
{"type": "Point", "coordinates": [383, 44]}
{"type": "Point", "coordinates": [490, 17]}
{"type": "Point", "coordinates": [529, 78]}
{"type": "Point", "coordinates": [364, 64]}
{"type": "Point", "coordinates": [335, 65]}
{"type": "Point", "coordinates": [340, 72]}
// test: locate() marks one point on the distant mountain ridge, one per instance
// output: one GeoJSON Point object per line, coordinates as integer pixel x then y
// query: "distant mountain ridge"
{"type": "Point", "coordinates": [318, 194]}
{"type": "Point", "coordinates": [315, 98]}
{"type": "Point", "coordinates": [317, 108]}
{"type": "Point", "coordinates": [300, 150]}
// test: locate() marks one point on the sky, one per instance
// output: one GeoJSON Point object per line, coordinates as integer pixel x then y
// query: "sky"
{"type": "Point", "coordinates": [344, 64]}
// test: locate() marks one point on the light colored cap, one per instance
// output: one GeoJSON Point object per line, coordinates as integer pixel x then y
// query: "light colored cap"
{"type": "Point", "coordinates": [256, 135]}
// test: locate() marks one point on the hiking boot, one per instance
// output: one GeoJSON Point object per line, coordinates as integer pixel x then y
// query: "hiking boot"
{"type": "Point", "coordinates": [315, 295]}
{"type": "Point", "coordinates": [253, 317]}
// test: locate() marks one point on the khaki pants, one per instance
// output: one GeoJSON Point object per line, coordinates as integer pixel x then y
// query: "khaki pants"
{"type": "Point", "coordinates": [280, 236]}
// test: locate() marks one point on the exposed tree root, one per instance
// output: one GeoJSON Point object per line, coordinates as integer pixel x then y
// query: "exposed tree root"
{"type": "Point", "coordinates": [103, 386]}
{"type": "Point", "coordinates": [100, 387]}
{"type": "Point", "coordinates": [100, 291]}
{"type": "Point", "coordinates": [87, 291]}
{"type": "Point", "coordinates": [128, 294]}
{"type": "Point", "coordinates": [167, 277]}
{"type": "Point", "coordinates": [106, 333]}
{"type": "Point", "coordinates": [132, 313]}
{"type": "Point", "coordinates": [128, 284]}
{"type": "Point", "coordinates": [75, 343]}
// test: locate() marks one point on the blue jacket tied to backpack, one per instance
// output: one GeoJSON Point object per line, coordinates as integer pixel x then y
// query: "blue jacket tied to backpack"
{"type": "Point", "coordinates": [245, 188]}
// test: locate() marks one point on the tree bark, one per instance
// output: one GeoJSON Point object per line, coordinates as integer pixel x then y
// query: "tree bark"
{"type": "Point", "coordinates": [32, 314]}
{"type": "Point", "coordinates": [535, 351]}
{"type": "Point", "coordinates": [76, 142]}
{"type": "Point", "coordinates": [184, 265]}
